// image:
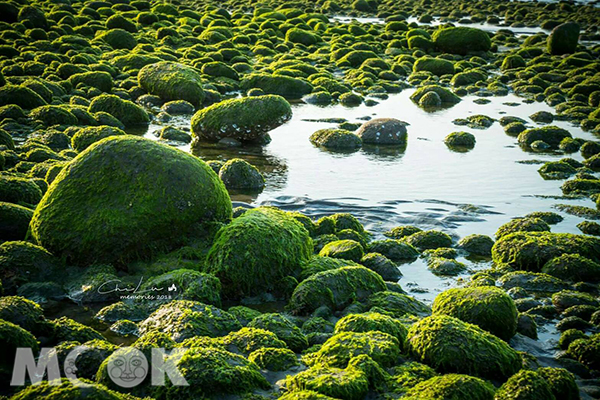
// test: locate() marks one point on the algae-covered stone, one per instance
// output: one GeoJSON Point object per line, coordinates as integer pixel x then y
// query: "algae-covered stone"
{"type": "Point", "coordinates": [394, 250]}
{"type": "Point", "coordinates": [25, 313]}
{"type": "Point", "coordinates": [348, 383]}
{"type": "Point", "coordinates": [257, 250]}
{"type": "Point", "coordinates": [337, 351]}
{"type": "Point", "coordinates": [125, 111]}
{"type": "Point", "coordinates": [564, 38]}
{"type": "Point", "coordinates": [452, 386]}
{"type": "Point", "coordinates": [452, 346]}
{"type": "Point", "coordinates": [437, 66]}
{"type": "Point", "coordinates": [586, 351]}
{"type": "Point", "coordinates": [372, 321]}
{"type": "Point", "coordinates": [562, 382]}
{"type": "Point", "coordinates": [528, 224]}
{"type": "Point", "coordinates": [446, 96]}
{"type": "Point", "coordinates": [385, 267]}
{"type": "Point", "coordinates": [398, 304]}
{"type": "Point", "coordinates": [573, 267]}
{"type": "Point", "coordinates": [122, 215]}
{"type": "Point", "coordinates": [488, 307]}
{"type": "Point", "coordinates": [525, 385]}
{"type": "Point", "coordinates": [17, 190]}
{"type": "Point", "coordinates": [529, 251]}
{"type": "Point", "coordinates": [248, 340]}
{"type": "Point", "coordinates": [459, 140]}
{"type": "Point", "coordinates": [273, 359]}
{"type": "Point", "coordinates": [335, 289]}
{"type": "Point", "coordinates": [66, 329]}
{"type": "Point", "coordinates": [183, 319]}
{"type": "Point", "coordinates": [214, 372]}
{"type": "Point", "coordinates": [21, 96]}
{"type": "Point", "coordinates": [24, 261]}
{"type": "Point", "coordinates": [552, 135]}
{"type": "Point", "coordinates": [461, 40]}
{"type": "Point", "coordinates": [286, 86]}
{"type": "Point", "coordinates": [240, 174]}
{"type": "Point", "coordinates": [283, 328]}
{"type": "Point", "coordinates": [336, 139]}
{"type": "Point", "coordinates": [14, 221]}
{"type": "Point", "coordinates": [346, 249]}
{"type": "Point", "coordinates": [85, 137]}
{"type": "Point", "coordinates": [172, 81]}
{"type": "Point", "coordinates": [244, 119]}
{"type": "Point", "coordinates": [479, 245]}
{"type": "Point", "coordinates": [189, 285]}
{"type": "Point", "coordinates": [426, 240]}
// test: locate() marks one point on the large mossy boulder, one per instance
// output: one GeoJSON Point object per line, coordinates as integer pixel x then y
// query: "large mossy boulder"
{"type": "Point", "coordinates": [452, 346]}
{"type": "Point", "coordinates": [552, 135]}
{"type": "Point", "coordinates": [126, 197]}
{"type": "Point", "coordinates": [184, 319]}
{"type": "Point", "coordinates": [335, 288]}
{"type": "Point", "coordinates": [564, 38]}
{"type": "Point", "coordinates": [488, 307]}
{"type": "Point", "coordinates": [452, 386]}
{"type": "Point", "coordinates": [529, 251]}
{"type": "Point", "coordinates": [129, 113]}
{"type": "Point", "coordinates": [255, 252]}
{"type": "Point", "coordinates": [243, 119]}
{"type": "Point", "coordinates": [172, 81]}
{"type": "Point", "coordinates": [70, 390]}
{"type": "Point", "coordinates": [525, 385]}
{"type": "Point", "coordinates": [461, 40]}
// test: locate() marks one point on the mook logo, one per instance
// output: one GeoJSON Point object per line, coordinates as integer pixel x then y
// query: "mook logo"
{"type": "Point", "coordinates": [127, 367]}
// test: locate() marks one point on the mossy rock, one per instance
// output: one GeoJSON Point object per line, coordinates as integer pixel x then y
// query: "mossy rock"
{"type": "Point", "coordinates": [283, 328]}
{"type": "Point", "coordinates": [337, 351]}
{"type": "Point", "coordinates": [336, 139]}
{"type": "Point", "coordinates": [395, 250]}
{"type": "Point", "coordinates": [383, 131]}
{"type": "Point", "coordinates": [190, 285]}
{"type": "Point", "coordinates": [461, 40]}
{"type": "Point", "coordinates": [89, 135]}
{"type": "Point", "coordinates": [125, 111]}
{"type": "Point", "coordinates": [244, 119]}
{"type": "Point", "coordinates": [586, 351]}
{"type": "Point", "coordinates": [183, 319]}
{"type": "Point", "coordinates": [21, 96]}
{"type": "Point", "coordinates": [14, 221]}
{"type": "Point", "coordinates": [479, 245]}
{"type": "Point", "coordinates": [285, 86]}
{"type": "Point", "coordinates": [460, 140]}
{"type": "Point", "coordinates": [488, 307]}
{"type": "Point", "coordinates": [68, 390]}
{"type": "Point", "coordinates": [25, 313]}
{"type": "Point", "coordinates": [172, 81]}
{"type": "Point", "coordinates": [525, 385]}
{"type": "Point", "coordinates": [240, 174]}
{"type": "Point", "coordinates": [437, 66]}
{"type": "Point", "coordinates": [248, 340]}
{"type": "Point", "coordinates": [552, 135]}
{"type": "Point", "coordinates": [335, 289]}
{"type": "Point", "coordinates": [66, 329]}
{"type": "Point", "coordinates": [119, 39]}
{"type": "Point", "coordinates": [257, 250]}
{"type": "Point", "coordinates": [319, 264]}
{"type": "Point", "coordinates": [12, 337]}
{"type": "Point", "coordinates": [17, 190]}
{"type": "Point", "coordinates": [305, 395]}
{"type": "Point", "coordinates": [564, 38]}
{"type": "Point", "coordinates": [297, 35]}
{"type": "Point", "coordinates": [428, 240]}
{"type": "Point", "coordinates": [328, 382]}
{"type": "Point", "coordinates": [385, 267]}
{"type": "Point", "coordinates": [562, 382]}
{"type": "Point", "coordinates": [573, 267]}
{"type": "Point", "coordinates": [398, 304]}
{"type": "Point", "coordinates": [273, 359]}
{"type": "Point", "coordinates": [445, 95]}
{"type": "Point", "coordinates": [372, 321]}
{"type": "Point", "coordinates": [100, 80]}
{"type": "Point", "coordinates": [214, 372]}
{"type": "Point", "coordinates": [346, 249]}
{"type": "Point", "coordinates": [452, 386]}
{"type": "Point", "coordinates": [529, 251]}
{"type": "Point", "coordinates": [439, 342]}
{"type": "Point", "coordinates": [53, 115]}
{"type": "Point", "coordinates": [528, 224]}
{"type": "Point", "coordinates": [140, 209]}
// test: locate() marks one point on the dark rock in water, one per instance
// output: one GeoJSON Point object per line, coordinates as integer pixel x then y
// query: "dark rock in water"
{"type": "Point", "coordinates": [564, 39]}
{"type": "Point", "coordinates": [178, 107]}
{"type": "Point", "coordinates": [239, 174]}
{"type": "Point", "coordinates": [383, 131]}
{"type": "Point", "coordinates": [171, 133]}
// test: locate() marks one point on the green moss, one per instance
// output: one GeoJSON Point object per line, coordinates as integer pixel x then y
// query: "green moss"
{"type": "Point", "coordinates": [21, 96]}
{"type": "Point", "coordinates": [296, 35]}
{"type": "Point", "coordinates": [336, 139]}
{"type": "Point", "coordinates": [573, 267]}
{"type": "Point", "coordinates": [125, 111]}
{"type": "Point", "coordinates": [443, 266]}
{"type": "Point", "coordinates": [66, 329]}
{"type": "Point", "coordinates": [479, 245]}
{"type": "Point", "coordinates": [190, 284]}
{"type": "Point", "coordinates": [286, 86]}
{"type": "Point", "coordinates": [335, 289]}
{"type": "Point", "coordinates": [402, 231]}
{"type": "Point", "coordinates": [452, 386]}
{"type": "Point", "coordinates": [397, 304]}
{"type": "Point", "coordinates": [394, 250]}
{"type": "Point", "coordinates": [319, 264]}
{"type": "Point", "coordinates": [250, 339]}
{"type": "Point", "coordinates": [337, 351]}
{"type": "Point", "coordinates": [14, 189]}
{"type": "Point", "coordinates": [552, 135]}
{"type": "Point", "coordinates": [445, 95]}
{"type": "Point", "coordinates": [426, 240]}
{"type": "Point", "coordinates": [349, 383]}
{"type": "Point", "coordinates": [257, 250]}
{"type": "Point", "coordinates": [172, 81]}
{"type": "Point", "coordinates": [586, 351]}
{"type": "Point", "coordinates": [346, 249]}
{"type": "Point", "coordinates": [490, 308]}
{"type": "Point", "coordinates": [568, 298]}
{"type": "Point", "coordinates": [273, 359]}
{"type": "Point", "coordinates": [119, 39]}
{"type": "Point", "coordinates": [218, 68]}
{"type": "Point", "coordinates": [525, 385]}
{"type": "Point", "coordinates": [183, 319]}
{"type": "Point", "coordinates": [522, 225]}
{"type": "Point", "coordinates": [372, 321]}
{"type": "Point", "coordinates": [382, 265]}
{"type": "Point", "coordinates": [437, 66]}
{"type": "Point", "coordinates": [25, 313]}
{"type": "Point", "coordinates": [175, 198]}
{"type": "Point", "coordinates": [89, 135]}
{"type": "Point", "coordinates": [305, 395]}
{"type": "Point", "coordinates": [529, 251]}
{"type": "Point", "coordinates": [463, 140]}
{"type": "Point", "coordinates": [244, 119]}
{"type": "Point", "coordinates": [239, 174]}
{"type": "Point", "coordinates": [100, 80]}
{"type": "Point", "coordinates": [53, 115]}
{"type": "Point", "coordinates": [283, 328]}
{"type": "Point", "coordinates": [68, 390]}
{"type": "Point", "coordinates": [452, 346]}
{"type": "Point", "coordinates": [461, 40]}
{"type": "Point", "coordinates": [562, 382]}
{"type": "Point", "coordinates": [214, 372]}
{"type": "Point", "coordinates": [14, 221]}
{"type": "Point", "coordinates": [411, 373]}
{"type": "Point", "coordinates": [564, 38]}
